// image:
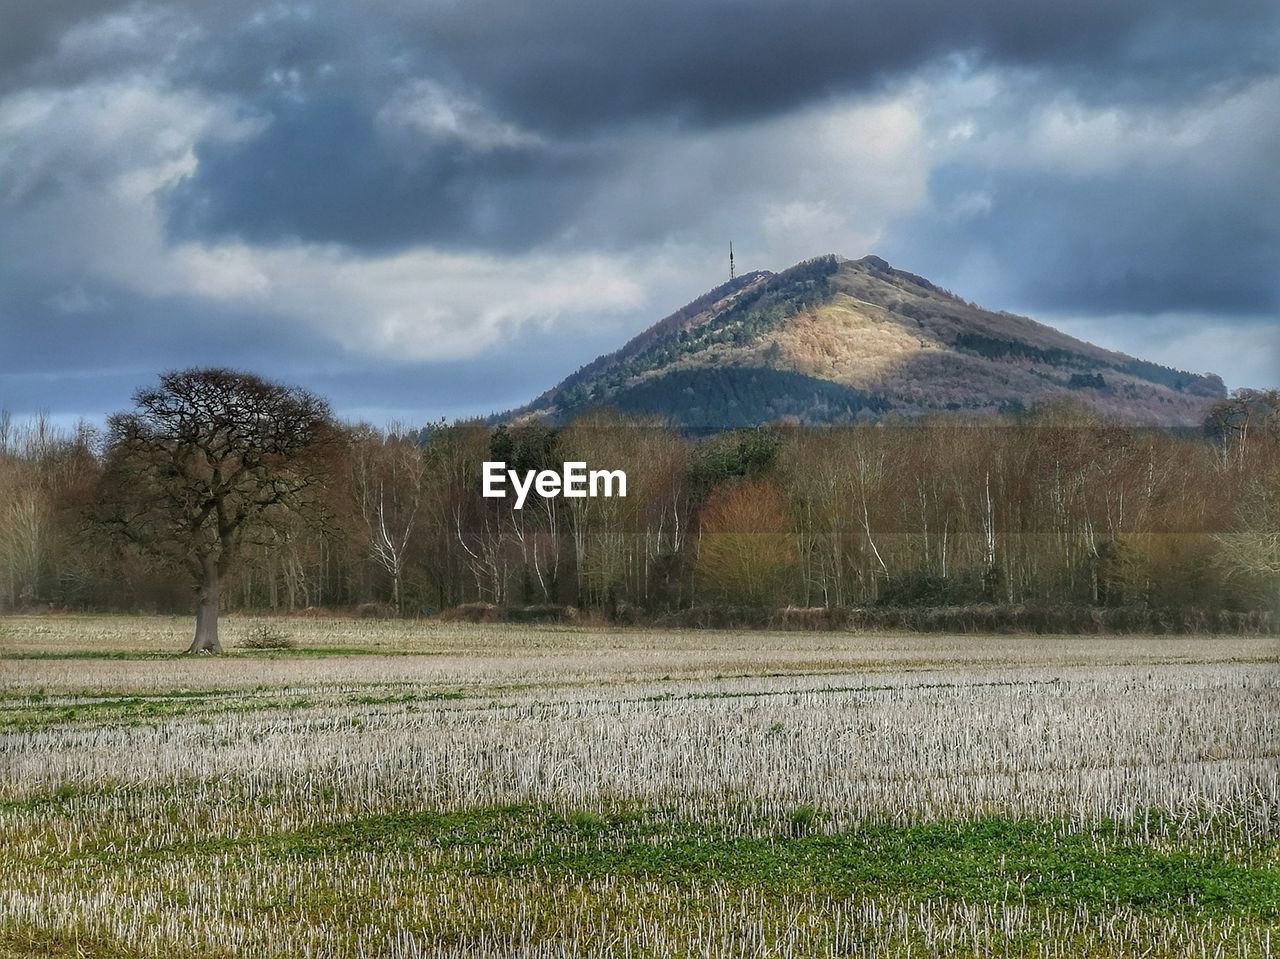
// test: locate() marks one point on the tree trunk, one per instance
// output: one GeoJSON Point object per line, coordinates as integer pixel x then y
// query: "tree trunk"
{"type": "Point", "coordinates": [209, 593]}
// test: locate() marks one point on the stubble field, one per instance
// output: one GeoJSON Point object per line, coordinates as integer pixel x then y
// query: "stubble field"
{"type": "Point", "coordinates": [415, 790]}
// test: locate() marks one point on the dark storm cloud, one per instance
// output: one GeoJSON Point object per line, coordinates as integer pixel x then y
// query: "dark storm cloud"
{"type": "Point", "coordinates": [574, 64]}
{"type": "Point", "coordinates": [570, 64]}
{"type": "Point", "coordinates": [31, 31]}
{"type": "Point", "coordinates": [574, 72]}
{"type": "Point", "coordinates": [1131, 242]}
{"type": "Point", "coordinates": [322, 171]}
{"type": "Point", "coordinates": [570, 71]}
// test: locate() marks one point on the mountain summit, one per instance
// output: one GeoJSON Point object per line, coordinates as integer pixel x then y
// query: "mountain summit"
{"type": "Point", "coordinates": [832, 340]}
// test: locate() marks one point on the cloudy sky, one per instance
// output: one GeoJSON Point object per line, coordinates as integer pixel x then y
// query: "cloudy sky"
{"type": "Point", "coordinates": [427, 208]}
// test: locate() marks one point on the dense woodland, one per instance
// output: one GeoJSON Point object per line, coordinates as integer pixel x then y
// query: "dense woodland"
{"type": "Point", "coordinates": [1050, 509]}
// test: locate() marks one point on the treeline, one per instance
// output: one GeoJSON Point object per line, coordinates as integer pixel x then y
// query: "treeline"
{"type": "Point", "coordinates": [1010, 519]}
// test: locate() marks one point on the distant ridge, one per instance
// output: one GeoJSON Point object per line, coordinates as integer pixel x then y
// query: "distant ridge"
{"type": "Point", "coordinates": [833, 340]}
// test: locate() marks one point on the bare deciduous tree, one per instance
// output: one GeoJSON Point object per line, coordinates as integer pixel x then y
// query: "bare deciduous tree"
{"type": "Point", "coordinates": [1252, 548]}
{"type": "Point", "coordinates": [207, 460]}
{"type": "Point", "coordinates": [745, 545]}
{"type": "Point", "coordinates": [389, 474]}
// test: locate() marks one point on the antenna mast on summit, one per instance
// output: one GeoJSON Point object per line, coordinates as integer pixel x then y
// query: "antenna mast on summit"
{"type": "Point", "coordinates": [731, 273]}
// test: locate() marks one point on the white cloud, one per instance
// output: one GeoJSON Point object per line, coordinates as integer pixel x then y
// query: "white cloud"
{"type": "Point", "coordinates": [138, 30]}
{"type": "Point", "coordinates": [421, 304]}
{"type": "Point", "coordinates": [842, 173]}
{"type": "Point", "coordinates": [1007, 120]}
{"type": "Point", "coordinates": [827, 179]}
{"type": "Point", "coordinates": [428, 110]}
{"type": "Point", "coordinates": [130, 137]}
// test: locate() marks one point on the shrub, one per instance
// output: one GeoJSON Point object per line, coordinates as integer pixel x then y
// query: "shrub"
{"type": "Point", "coordinates": [802, 820]}
{"type": "Point", "coordinates": [266, 636]}
{"type": "Point", "coordinates": [586, 820]}
{"type": "Point", "coordinates": [921, 589]}
{"type": "Point", "coordinates": [541, 613]}
{"type": "Point", "coordinates": [474, 613]}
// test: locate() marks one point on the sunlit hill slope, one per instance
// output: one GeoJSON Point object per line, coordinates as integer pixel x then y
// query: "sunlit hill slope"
{"type": "Point", "coordinates": [832, 340]}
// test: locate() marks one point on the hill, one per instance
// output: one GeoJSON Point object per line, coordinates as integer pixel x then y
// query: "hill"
{"type": "Point", "coordinates": [833, 340]}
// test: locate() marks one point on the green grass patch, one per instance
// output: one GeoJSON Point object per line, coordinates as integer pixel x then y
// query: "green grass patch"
{"type": "Point", "coordinates": [132, 710]}
{"type": "Point", "coordinates": [36, 712]}
{"type": "Point", "coordinates": [994, 860]}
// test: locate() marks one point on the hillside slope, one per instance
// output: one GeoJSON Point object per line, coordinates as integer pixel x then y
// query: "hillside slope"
{"type": "Point", "coordinates": [832, 340]}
